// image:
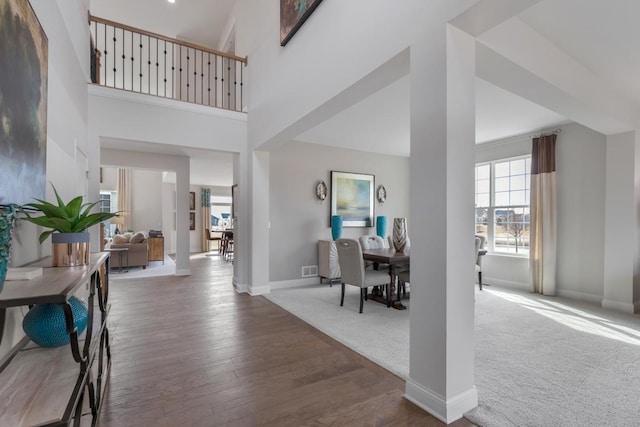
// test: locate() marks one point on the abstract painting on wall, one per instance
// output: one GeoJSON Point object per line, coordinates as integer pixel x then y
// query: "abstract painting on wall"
{"type": "Point", "coordinates": [23, 104]}
{"type": "Point", "coordinates": [293, 13]}
{"type": "Point", "coordinates": [352, 197]}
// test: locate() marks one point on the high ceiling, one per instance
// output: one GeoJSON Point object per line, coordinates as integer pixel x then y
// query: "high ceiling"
{"type": "Point", "coordinates": [602, 36]}
{"type": "Point", "coordinates": [196, 21]}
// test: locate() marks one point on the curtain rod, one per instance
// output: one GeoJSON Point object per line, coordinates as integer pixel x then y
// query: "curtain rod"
{"type": "Point", "coordinates": [545, 133]}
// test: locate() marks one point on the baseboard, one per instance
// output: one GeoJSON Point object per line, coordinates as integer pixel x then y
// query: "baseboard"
{"type": "Point", "coordinates": [295, 283]}
{"type": "Point", "coordinates": [618, 306]}
{"type": "Point", "coordinates": [580, 296]}
{"type": "Point", "coordinates": [241, 288]}
{"type": "Point", "coordinates": [488, 281]}
{"type": "Point", "coordinates": [183, 272]}
{"type": "Point", "coordinates": [258, 290]}
{"type": "Point", "coordinates": [446, 411]}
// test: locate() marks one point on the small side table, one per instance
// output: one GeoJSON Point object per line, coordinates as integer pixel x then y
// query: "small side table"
{"type": "Point", "coordinates": [120, 251]}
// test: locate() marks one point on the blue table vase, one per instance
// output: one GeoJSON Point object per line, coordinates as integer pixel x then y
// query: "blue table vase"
{"type": "Point", "coordinates": [381, 226]}
{"type": "Point", "coordinates": [336, 226]}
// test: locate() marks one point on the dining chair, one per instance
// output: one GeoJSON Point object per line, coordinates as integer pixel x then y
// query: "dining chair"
{"type": "Point", "coordinates": [214, 237]}
{"type": "Point", "coordinates": [353, 272]}
{"type": "Point", "coordinates": [227, 244]}
{"type": "Point", "coordinates": [479, 246]}
{"type": "Point", "coordinates": [372, 241]}
{"type": "Point", "coordinates": [404, 277]}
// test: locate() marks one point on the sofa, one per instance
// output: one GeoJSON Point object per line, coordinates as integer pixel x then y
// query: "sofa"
{"type": "Point", "coordinates": [138, 249]}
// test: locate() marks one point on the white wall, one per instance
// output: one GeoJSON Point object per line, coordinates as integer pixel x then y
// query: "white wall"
{"type": "Point", "coordinates": [581, 168]}
{"type": "Point", "coordinates": [146, 200]}
{"type": "Point", "coordinates": [298, 219]}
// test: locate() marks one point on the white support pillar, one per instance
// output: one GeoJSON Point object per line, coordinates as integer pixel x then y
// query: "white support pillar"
{"type": "Point", "coordinates": [241, 229]}
{"type": "Point", "coordinates": [620, 246]}
{"type": "Point", "coordinates": [442, 246]}
{"type": "Point", "coordinates": [259, 217]}
{"type": "Point", "coordinates": [183, 267]}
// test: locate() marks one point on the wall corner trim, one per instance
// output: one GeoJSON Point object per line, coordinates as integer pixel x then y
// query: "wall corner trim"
{"type": "Point", "coordinates": [618, 306]}
{"type": "Point", "coordinates": [446, 410]}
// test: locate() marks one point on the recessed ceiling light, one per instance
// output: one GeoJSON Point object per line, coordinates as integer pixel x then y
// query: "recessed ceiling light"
{"type": "Point", "coordinates": [172, 1]}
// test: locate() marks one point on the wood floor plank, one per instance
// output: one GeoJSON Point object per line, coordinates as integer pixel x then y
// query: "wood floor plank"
{"type": "Point", "coordinates": [190, 351]}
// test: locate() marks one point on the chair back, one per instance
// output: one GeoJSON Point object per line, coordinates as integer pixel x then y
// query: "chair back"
{"type": "Point", "coordinates": [480, 240]}
{"type": "Point", "coordinates": [351, 262]}
{"type": "Point", "coordinates": [372, 241]}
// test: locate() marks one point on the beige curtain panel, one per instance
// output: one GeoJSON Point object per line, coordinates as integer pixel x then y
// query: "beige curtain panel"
{"type": "Point", "coordinates": [124, 197]}
{"type": "Point", "coordinates": [543, 213]}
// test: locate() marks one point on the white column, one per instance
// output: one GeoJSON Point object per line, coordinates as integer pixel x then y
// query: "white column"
{"type": "Point", "coordinates": [442, 245]}
{"type": "Point", "coordinates": [259, 218]}
{"type": "Point", "coordinates": [182, 170]}
{"type": "Point", "coordinates": [620, 241]}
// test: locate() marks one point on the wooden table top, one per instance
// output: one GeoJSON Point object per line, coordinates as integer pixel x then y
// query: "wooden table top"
{"type": "Point", "coordinates": [387, 256]}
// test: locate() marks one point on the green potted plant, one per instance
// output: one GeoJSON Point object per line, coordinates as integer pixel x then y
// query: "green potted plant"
{"type": "Point", "coordinates": [68, 224]}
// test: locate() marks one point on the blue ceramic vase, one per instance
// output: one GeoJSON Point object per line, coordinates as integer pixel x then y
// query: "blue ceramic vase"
{"type": "Point", "coordinates": [336, 226]}
{"type": "Point", "coordinates": [381, 226]}
{"type": "Point", "coordinates": [46, 326]}
{"type": "Point", "coordinates": [7, 218]}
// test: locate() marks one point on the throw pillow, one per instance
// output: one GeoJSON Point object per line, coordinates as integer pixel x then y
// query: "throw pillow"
{"type": "Point", "coordinates": [137, 237]}
{"type": "Point", "coordinates": [121, 238]}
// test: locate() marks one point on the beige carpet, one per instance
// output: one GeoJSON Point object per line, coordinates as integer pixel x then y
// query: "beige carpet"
{"type": "Point", "coordinates": [540, 361]}
{"type": "Point", "coordinates": [155, 268]}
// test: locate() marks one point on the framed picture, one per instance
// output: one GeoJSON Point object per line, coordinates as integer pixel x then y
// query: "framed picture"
{"type": "Point", "coordinates": [192, 220]}
{"type": "Point", "coordinates": [234, 201]}
{"type": "Point", "coordinates": [192, 201]}
{"type": "Point", "coordinates": [23, 104]}
{"type": "Point", "coordinates": [352, 197]}
{"type": "Point", "coordinates": [293, 13]}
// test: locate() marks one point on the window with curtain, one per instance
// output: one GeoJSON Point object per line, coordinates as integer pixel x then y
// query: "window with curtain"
{"type": "Point", "coordinates": [502, 191]}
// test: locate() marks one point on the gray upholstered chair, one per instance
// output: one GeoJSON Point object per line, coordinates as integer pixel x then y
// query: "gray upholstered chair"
{"type": "Point", "coordinates": [479, 246]}
{"type": "Point", "coordinates": [404, 277]}
{"type": "Point", "coordinates": [372, 241]}
{"type": "Point", "coordinates": [353, 272]}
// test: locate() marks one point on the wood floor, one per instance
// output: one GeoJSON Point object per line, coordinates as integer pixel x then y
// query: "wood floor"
{"type": "Point", "coordinates": [190, 351]}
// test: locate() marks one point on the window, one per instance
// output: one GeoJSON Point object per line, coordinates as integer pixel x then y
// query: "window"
{"type": "Point", "coordinates": [220, 211]}
{"type": "Point", "coordinates": [107, 200]}
{"type": "Point", "coordinates": [502, 191]}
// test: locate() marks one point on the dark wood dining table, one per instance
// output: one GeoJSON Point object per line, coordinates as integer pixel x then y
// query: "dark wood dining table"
{"type": "Point", "coordinates": [393, 259]}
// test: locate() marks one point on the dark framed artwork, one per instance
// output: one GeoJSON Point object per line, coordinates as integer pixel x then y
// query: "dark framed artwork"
{"type": "Point", "coordinates": [293, 13]}
{"type": "Point", "coordinates": [234, 202]}
{"type": "Point", "coordinates": [192, 220]}
{"type": "Point", "coordinates": [23, 104]}
{"type": "Point", "coordinates": [352, 197]}
{"type": "Point", "coordinates": [192, 200]}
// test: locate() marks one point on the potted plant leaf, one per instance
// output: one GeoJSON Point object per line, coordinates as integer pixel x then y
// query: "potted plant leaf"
{"type": "Point", "coordinates": [68, 224]}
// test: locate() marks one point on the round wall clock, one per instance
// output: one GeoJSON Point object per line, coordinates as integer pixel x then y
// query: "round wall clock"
{"type": "Point", "coordinates": [321, 190]}
{"type": "Point", "coordinates": [382, 194]}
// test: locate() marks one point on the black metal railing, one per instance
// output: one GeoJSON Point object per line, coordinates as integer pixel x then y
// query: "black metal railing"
{"type": "Point", "coordinates": [135, 60]}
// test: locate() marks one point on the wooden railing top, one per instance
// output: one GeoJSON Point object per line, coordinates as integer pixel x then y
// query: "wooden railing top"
{"type": "Point", "coordinates": [169, 39]}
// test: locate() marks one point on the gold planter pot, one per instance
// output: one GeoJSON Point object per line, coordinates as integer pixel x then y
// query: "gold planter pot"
{"type": "Point", "coordinates": [70, 249]}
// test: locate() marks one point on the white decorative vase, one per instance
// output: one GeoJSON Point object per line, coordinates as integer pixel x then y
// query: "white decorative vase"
{"type": "Point", "coordinates": [399, 234]}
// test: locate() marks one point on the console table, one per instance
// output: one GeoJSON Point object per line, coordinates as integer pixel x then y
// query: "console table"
{"type": "Point", "coordinates": [62, 385]}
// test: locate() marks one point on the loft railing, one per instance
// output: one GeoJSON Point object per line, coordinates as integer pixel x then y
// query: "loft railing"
{"type": "Point", "coordinates": [131, 59]}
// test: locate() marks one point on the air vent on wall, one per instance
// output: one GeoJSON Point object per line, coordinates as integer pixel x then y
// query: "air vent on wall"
{"type": "Point", "coordinates": [309, 271]}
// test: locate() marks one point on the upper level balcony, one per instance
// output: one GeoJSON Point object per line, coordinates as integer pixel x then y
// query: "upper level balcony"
{"type": "Point", "coordinates": [131, 59]}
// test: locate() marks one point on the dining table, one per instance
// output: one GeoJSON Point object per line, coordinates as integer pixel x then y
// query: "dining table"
{"type": "Point", "coordinates": [393, 259]}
